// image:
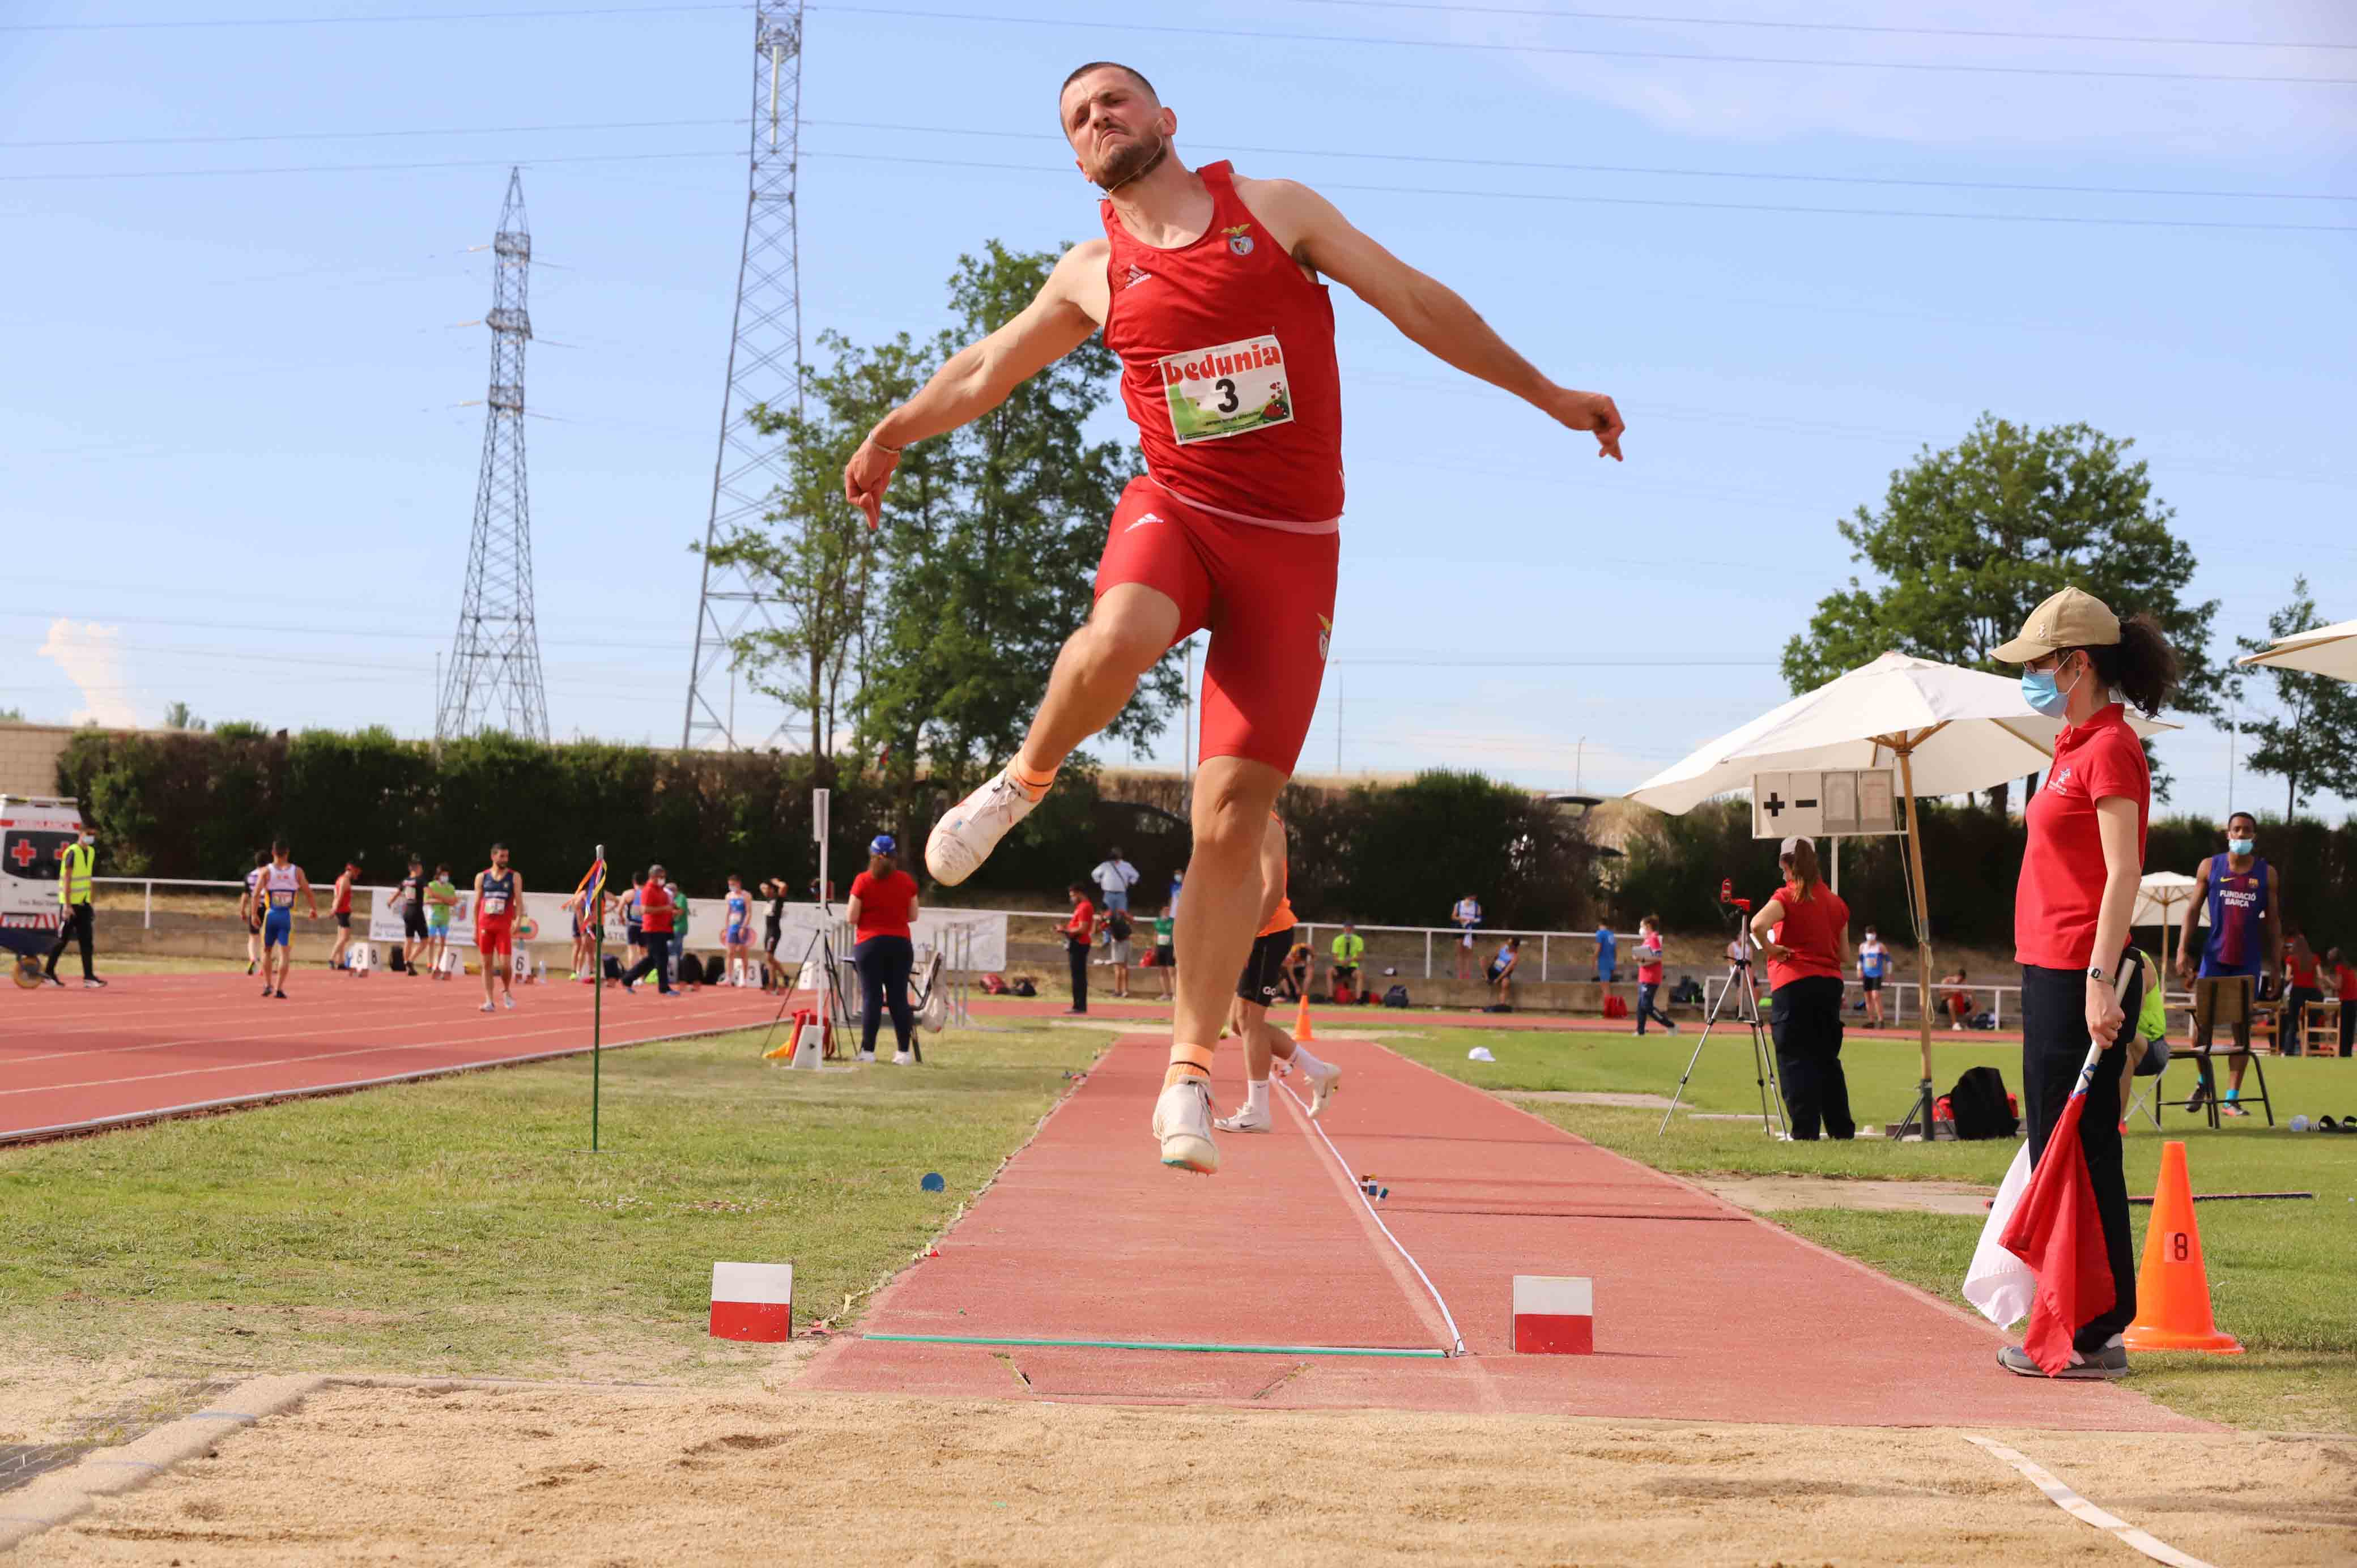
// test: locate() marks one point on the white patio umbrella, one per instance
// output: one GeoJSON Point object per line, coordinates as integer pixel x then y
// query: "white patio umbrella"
{"type": "Point", "coordinates": [2324, 650]}
{"type": "Point", "coordinates": [1949, 731]}
{"type": "Point", "coordinates": [2160, 901]}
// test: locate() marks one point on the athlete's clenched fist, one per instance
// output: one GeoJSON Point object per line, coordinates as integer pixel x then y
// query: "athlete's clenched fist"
{"type": "Point", "coordinates": [1592, 411]}
{"type": "Point", "coordinates": [868, 475]}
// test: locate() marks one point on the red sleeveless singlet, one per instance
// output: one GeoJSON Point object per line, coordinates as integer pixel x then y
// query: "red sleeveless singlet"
{"type": "Point", "coordinates": [1227, 368]}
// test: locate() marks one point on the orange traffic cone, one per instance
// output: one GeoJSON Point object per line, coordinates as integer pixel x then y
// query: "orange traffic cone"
{"type": "Point", "coordinates": [1301, 1029]}
{"type": "Point", "coordinates": [2172, 1287]}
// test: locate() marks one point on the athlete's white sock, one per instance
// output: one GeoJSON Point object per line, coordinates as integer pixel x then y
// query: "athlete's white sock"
{"type": "Point", "coordinates": [1303, 1062]}
{"type": "Point", "coordinates": [1256, 1097]}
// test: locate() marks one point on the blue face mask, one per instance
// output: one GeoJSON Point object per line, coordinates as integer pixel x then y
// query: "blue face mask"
{"type": "Point", "coordinates": [2039, 690]}
{"type": "Point", "coordinates": [2240, 846]}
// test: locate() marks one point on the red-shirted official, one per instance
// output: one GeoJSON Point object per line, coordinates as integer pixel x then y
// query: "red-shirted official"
{"type": "Point", "coordinates": [2079, 878]}
{"type": "Point", "coordinates": [883, 905]}
{"type": "Point", "coordinates": [1803, 932]}
{"type": "Point", "coordinates": [656, 908]}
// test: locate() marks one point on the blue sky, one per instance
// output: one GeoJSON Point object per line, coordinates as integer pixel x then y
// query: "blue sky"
{"type": "Point", "coordinates": [232, 424]}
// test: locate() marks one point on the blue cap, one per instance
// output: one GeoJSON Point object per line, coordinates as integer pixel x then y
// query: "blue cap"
{"type": "Point", "coordinates": [882, 843]}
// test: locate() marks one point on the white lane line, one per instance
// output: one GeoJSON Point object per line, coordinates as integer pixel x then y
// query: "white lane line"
{"type": "Point", "coordinates": [1456, 1334]}
{"type": "Point", "coordinates": [2079, 1507]}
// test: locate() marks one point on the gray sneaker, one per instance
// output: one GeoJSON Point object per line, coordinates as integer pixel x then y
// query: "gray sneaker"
{"type": "Point", "coordinates": [2107, 1364]}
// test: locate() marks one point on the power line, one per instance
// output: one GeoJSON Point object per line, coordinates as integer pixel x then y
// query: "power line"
{"type": "Point", "coordinates": [1359, 154]}
{"type": "Point", "coordinates": [375, 168]}
{"type": "Point", "coordinates": [2074, 219]}
{"type": "Point", "coordinates": [1823, 27]}
{"type": "Point", "coordinates": [181, 23]}
{"type": "Point", "coordinates": [1587, 53]}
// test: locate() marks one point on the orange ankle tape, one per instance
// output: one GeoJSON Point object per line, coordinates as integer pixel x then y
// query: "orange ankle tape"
{"type": "Point", "coordinates": [1196, 1057]}
{"type": "Point", "coordinates": [1184, 1073]}
{"type": "Point", "coordinates": [1031, 784]}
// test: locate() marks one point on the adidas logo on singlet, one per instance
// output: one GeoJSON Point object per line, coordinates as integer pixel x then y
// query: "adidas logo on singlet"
{"type": "Point", "coordinates": [1137, 275]}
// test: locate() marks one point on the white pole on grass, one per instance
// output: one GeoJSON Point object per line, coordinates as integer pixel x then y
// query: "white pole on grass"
{"type": "Point", "coordinates": [819, 801]}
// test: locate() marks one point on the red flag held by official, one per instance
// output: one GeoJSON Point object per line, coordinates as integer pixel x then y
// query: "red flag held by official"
{"type": "Point", "coordinates": [2058, 1233]}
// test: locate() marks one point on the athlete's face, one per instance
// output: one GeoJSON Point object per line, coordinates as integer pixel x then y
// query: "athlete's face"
{"type": "Point", "coordinates": [1116, 129]}
{"type": "Point", "coordinates": [498, 860]}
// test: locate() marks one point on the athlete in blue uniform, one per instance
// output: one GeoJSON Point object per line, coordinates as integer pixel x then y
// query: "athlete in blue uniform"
{"type": "Point", "coordinates": [736, 933]}
{"type": "Point", "coordinates": [275, 890]}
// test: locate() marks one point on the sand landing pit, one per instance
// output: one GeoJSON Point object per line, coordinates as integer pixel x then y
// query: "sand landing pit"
{"type": "Point", "coordinates": [553, 1476]}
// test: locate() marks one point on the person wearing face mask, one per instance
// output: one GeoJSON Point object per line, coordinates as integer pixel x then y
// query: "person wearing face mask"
{"type": "Point", "coordinates": [73, 900]}
{"type": "Point", "coordinates": [2079, 874]}
{"type": "Point", "coordinates": [2243, 896]}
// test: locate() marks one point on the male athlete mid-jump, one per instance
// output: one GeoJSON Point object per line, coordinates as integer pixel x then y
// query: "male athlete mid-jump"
{"type": "Point", "coordinates": [1207, 286]}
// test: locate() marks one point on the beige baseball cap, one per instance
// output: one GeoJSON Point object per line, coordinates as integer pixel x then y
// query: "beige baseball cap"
{"type": "Point", "coordinates": [2071, 618]}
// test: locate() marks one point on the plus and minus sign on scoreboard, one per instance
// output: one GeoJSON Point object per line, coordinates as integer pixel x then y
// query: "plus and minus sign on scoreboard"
{"type": "Point", "coordinates": [1832, 802]}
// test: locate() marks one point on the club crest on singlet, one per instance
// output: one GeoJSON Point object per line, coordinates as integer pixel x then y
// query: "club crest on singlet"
{"type": "Point", "coordinates": [1222, 391]}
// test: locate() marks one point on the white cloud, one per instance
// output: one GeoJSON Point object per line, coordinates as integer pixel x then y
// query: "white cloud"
{"type": "Point", "coordinates": [90, 655]}
{"type": "Point", "coordinates": [1983, 109]}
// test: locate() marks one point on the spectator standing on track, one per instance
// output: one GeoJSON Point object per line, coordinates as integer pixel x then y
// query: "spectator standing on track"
{"type": "Point", "coordinates": [1466, 916]}
{"type": "Point", "coordinates": [249, 910]}
{"type": "Point", "coordinates": [499, 894]}
{"type": "Point", "coordinates": [656, 906]}
{"type": "Point", "coordinates": [441, 899]}
{"type": "Point", "coordinates": [1608, 955]}
{"type": "Point", "coordinates": [1115, 878]}
{"type": "Point", "coordinates": [1080, 936]}
{"type": "Point", "coordinates": [2301, 988]}
{"type": "Point", "coordinates": [736, 933]}
{"type": "Point", "coordinates": [341, 907]}
{"type": "Point", "coordinates": [410, 900]}
{"type": "Point", "coordinates": [281, 880]}
{"type": "Point", "coordinates": [773, 930]}
{"type": "Point", "coordinates": [2243, 896]}
{"type": "Point", "coordinates": [1873, 964]}
{"type": "Point", "coordinates": [1802, 927]}
{"type": "Point", "coordinates": [1648, 975]}
{"type": "Point", "coordinates": [882, 911]}
{"type": "Point", "coordinates": [2081, 870]}
{"type": "Point", "coordinates": [1166, 950]}
{"type": "Point", "coordinates": [2344, 991]}
{"type": "Point", "coordinates": [1501, 974]}
{"type": "Point", "coordinates": [76, 922]}
{"type": "Point", "coordinates": [1118, 929]}
{"type": "Point", "coordinates": [1346, 950]}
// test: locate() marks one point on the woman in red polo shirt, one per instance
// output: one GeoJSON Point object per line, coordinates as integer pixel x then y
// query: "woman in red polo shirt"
{"type": "Point", "coordinates": [883, 904]}
{"type": "Point", "coordinates": [2078, 886]}
{"type": "Point", "coordinates": [1804, 930]}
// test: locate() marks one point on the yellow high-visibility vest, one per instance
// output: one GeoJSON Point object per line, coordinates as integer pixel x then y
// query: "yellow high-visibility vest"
{"type": "Point", "coordinates": [73, 877]}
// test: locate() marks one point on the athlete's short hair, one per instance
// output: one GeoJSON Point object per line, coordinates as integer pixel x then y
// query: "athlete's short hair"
{"type": "Point", "coordinates": [278, 846]}
{"type": "Point", "coordinates": [1131, 71]}
{"type": "Point", "coordinates": [2234, 817]}
{"type": "Point", "coordinates": [496, 847]}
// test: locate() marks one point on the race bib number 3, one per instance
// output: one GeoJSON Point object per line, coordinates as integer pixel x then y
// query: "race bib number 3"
{"type": "Point", "coordinates": [1226, 391]}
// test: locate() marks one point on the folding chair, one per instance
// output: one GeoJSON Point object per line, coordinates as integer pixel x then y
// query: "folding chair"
{"type": "Point", "coordinates": [2233, 1005]}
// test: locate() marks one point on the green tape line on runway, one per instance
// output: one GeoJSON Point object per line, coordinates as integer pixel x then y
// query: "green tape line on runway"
{"type": "Point", "coordinates": [1159, 1345]}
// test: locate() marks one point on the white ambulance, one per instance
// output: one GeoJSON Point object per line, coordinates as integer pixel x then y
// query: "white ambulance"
{"type": "Point", "coordinates": [33, 832]}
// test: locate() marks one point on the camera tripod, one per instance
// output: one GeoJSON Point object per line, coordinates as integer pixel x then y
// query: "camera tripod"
{"type": "Point", "coordinates": [819, 948]}
{"type": "Point", "coordinates": [1740, 982]}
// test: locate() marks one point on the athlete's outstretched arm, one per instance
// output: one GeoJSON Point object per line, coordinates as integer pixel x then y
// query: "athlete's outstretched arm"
{"type": "Point", "coordinates": [978, 376]}
{"type": "Point", "coordinates": [1428, 312]}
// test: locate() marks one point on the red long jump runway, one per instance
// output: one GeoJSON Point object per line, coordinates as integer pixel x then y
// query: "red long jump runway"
{"type": "Point", "coordinates": [155, 1045]}
{"type": "Point", "coordinates": [1702, 1311]}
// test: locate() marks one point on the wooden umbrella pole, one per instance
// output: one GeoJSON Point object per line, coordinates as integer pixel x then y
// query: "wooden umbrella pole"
{"type": "Point", "coordinates": [1922, 927]}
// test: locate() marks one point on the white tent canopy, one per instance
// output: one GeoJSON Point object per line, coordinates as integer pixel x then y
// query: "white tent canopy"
{"type": "Point", "coordinates": [2161, 900]}
{"type": "Point", "coordinates": [2324, 650]}
{"type": "Point", "coordinates": [1963, 730]}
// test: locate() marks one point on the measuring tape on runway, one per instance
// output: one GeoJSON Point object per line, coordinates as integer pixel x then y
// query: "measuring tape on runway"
{"type": "Point", "coordinates": [2079, 1507]}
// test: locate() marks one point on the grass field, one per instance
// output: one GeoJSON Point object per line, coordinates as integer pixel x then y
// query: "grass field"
{"type": "Point", "coordinates": [460, 1225]}
{"type": "Point", "coordinates": [2283, 1276]}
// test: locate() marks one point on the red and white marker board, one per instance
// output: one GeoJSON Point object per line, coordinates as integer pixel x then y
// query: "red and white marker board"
{"type": "Point", "coordinates": [753, 1301]}
{"type": "Point", "coordinates": [1553, 1315]}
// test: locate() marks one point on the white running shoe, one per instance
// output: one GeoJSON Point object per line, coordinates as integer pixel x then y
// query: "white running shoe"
{"type": "Point", "coordinates": [1322, 1084]}
{"type": "Point", "coordinates": [1244, 1120]}
{"type": "Point", "coordinates": [970, 830]}
{"type": "Point", "coordinates": [1182, 1120]}
{"type": "Point", "coordinates": [903, 1059]}
{"type": "Point", "coordinates": [866, 1056]}
{"type": "Point", "coordinates": [486, 1007]}
{"type": "Point", "coordinates": [508, 1000]}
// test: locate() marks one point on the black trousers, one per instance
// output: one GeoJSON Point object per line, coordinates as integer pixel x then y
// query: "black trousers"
{"type": "Point", "coordinates": [2291, 1039]}
{"type": "Point", "coordinates": [76, 926]}
{"type": "Point", "coordinates": [656, 945]}
{"type": "Point", "coordinates": [2053, 1047]}
{"type": "Point", "coordinates": [1804, 1015]}
{"type": "Point", "coordinates": [1077, 955]}
{"type": "Point", "coordinates": [884, 963]}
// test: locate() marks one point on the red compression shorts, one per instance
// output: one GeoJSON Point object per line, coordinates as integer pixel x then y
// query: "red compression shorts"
{"type": "Point", "coordinates": [495, 938]}
{"type": "Point", "coordinates": [1266, 594]}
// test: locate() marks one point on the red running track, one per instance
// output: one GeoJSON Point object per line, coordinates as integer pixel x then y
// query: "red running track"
{"type": "Point", "coordinates": [149, 1047]}
{"type": "Point", "coordinates": [1704, 1311]}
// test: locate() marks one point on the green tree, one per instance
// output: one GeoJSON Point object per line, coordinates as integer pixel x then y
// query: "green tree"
{"type": "Point", "coordinates": [1969, 541]}
{"type": "Point", "coordinates": [811, 557]}
{"type": "Point", "coordinates": [992, 542]}
{"type": "Point", "coordinates": [12, 716]}
{"type": "Point", "coordinates": [2309, 743]}
{"type": "Point", "coordinates": [179, 716]}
